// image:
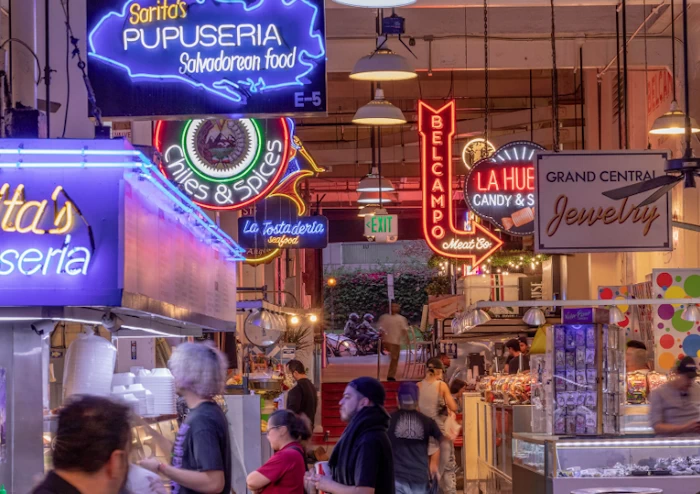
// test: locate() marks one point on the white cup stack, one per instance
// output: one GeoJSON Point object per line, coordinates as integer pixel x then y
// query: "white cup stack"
{"type": "Point", "coordinates": [161, 384]}
{"type": "Point", "coordinates": [141, 374]}
{"type": "Point", "coordinates": [123, 379]}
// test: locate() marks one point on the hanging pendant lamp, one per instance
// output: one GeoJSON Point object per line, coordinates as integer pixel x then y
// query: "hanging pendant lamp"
{"type": "Point", "coordinates": [374, 183]}
{"type": "Point", "coordinates": [673, 121]}
{"type": "Point", "coordinates": [368, 210]}
{"type": "Point", "coordinates": [374, 198]}
{"type": "Point", "coordinates": [382, 65]}
{"type": "Point", "coordinates": [615, 315]}
{"type": "Point", "coordinates": [691, 313]}
{"type": "Point", "coordinates": [379, 111]}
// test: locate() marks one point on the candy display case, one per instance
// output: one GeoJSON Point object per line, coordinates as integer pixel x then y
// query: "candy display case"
{"type": "Point", "coordinates": [558, 465]}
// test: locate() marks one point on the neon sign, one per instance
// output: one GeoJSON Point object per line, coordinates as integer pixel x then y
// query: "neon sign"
{"type": "Point", "coordinates": [17, 210]}
{"type": "Point", "coordinates": [224, 164]}
{"type": "Point", "coordinates": [67, 259]}
{"type": "Point", "coordinates": [308, 232]}
{"type": "Point", "coordinates": [242, 57]}
{"type": "Point", "coordinates": [501, 188]}
{"type": "Point", "coordinates": [476, 150]}
{"type": "Point", "coordinates": [475, 244]}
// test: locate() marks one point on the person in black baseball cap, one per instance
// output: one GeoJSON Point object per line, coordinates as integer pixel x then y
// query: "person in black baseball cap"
{"type": "Point", "coordinates": [362, 458]}
{"type": "Point", "coordinates": [674, 405]}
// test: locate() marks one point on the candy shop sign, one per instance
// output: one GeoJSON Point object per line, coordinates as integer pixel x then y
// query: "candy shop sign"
{"type": "Point", "coordinates": [501, 188]}
{"type": "Point", "coordinates": [42, 218]}
{"type": "Point", "coordinates": [573, 215]}
{"type": "Point", "coordinates": [475, 243]}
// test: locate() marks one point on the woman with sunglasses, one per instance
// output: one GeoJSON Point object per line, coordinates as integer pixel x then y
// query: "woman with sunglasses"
{"type": "Point", "coordinates": [284, 471]}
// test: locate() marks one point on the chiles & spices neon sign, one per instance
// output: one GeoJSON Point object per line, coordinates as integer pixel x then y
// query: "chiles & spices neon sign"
{"type": "Point", "coordinates": [436, 128]}
{"type": "Point", "coordinates": [19, 216]}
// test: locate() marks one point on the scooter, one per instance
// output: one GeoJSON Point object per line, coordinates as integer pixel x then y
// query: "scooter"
{"type": "Point", "coordinates": [340, 346]}
{"type": "Point", "coordinates": [370, 345]}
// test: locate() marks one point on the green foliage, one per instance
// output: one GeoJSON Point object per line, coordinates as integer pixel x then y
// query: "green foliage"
{"type": "Point", "coordinates": [363, 292]}
{"type": "Point", "coordinates": [439, 285]}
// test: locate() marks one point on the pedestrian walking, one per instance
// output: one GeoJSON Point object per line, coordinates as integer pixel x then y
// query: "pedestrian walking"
{"type": "Point", "coordinates": [410, 432]}
{"type": "Point", "coordinates": [91, 452]}
{"type": "Point", "coordinates": [395, 331]}
{"type": "Point", "coordinates": [362, 461]}
{"type": "Point", "coordinates": [435, 401]}
{"type": "Point", "coordinates": [284, 472]}
{"type": "Point", "coordinates": [201, 459]}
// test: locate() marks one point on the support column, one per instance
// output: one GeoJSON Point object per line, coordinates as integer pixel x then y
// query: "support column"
{"type": "Point", "coordinates": [24, 70]}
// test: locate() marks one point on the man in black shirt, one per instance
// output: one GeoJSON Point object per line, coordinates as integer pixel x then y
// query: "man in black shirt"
{"type": "Point", "coordinates": [302, 398]}
{"type": "Point", "coordinates": [409, 432]}
{"type": "Point", "coordinates": [92, 448]}
{"type": "Point", "coordinates": [362, 461]}
{"type": "Point", "coordinates": [513, 360]}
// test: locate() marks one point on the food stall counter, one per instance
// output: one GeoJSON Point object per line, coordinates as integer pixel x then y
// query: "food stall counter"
{"type": "Point", "coordinates": [562, 464]}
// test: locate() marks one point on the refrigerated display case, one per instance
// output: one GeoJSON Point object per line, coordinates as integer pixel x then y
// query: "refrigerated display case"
{"type": "Point", "coordinates": [560, 465]}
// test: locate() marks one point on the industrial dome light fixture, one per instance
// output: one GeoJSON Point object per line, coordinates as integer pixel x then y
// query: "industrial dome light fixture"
{"type": "Point", "coordinates": [374, 198]}
{"type": "Point", "coordinates": [691, 313]}
{"type": "Point", "coordinates": [673, 122]}
{"type": "Point", "coordinates": [374, 183]}
{"type": "Point", "coordinates": [475, 317]}
{"type": "Point", "coordinates": [376, 4]}
{"type": "Point", "coordinates": [368, 210]}
{"type": "Point", "coordinates": [379, 111]}
{"type": "Point", "coordinates": [615, 315]}
{"type": "Point", "coordinates": [534, 317]}
{"type": "Point", "coordinates": [382, 65]}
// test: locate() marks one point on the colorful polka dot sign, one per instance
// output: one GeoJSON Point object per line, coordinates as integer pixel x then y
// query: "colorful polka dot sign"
{"type": "Point", "coordinates": [674, 337]}
{"type": "Point", "coordinates": [621, 293]}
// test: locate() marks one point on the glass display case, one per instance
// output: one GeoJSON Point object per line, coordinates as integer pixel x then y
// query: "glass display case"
{"type": "Point", "coordinates": [555, 465]}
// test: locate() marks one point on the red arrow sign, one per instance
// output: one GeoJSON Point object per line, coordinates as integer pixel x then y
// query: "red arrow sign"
{"type": "Point", "coordinates": [436, 129]}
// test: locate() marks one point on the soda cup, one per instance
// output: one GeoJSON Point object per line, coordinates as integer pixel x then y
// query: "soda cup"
{"type": "Point", "coordinates": [321, 468]}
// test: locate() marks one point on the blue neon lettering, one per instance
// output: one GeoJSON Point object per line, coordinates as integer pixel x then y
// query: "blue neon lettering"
{"type": "Point", "coordinates": [73, 262]}
{"type": "Point", "coordinates": [145, 54]}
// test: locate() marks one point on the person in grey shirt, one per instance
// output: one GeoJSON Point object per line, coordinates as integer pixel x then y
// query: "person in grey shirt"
{"type": "Point", "coordinates": [674, 405]}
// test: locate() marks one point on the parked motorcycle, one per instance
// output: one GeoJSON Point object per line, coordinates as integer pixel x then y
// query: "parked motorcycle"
{"type": "Point", "coordinates": [340, 346]}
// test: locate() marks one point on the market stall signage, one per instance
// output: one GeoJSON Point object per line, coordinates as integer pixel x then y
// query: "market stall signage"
{"type": "Point", "coordinates": [218, 57]}
{"type": "Point", "coordinates": [307, 232]}
{"type": "Point", "coordinates": [501, 188]}
{"type": "Point", "coordinates": [225, 163]}
{"type": "Point", "coordinates": [573, 215]}
{"type": "Point", "coordinates": [476, 150]}
{"type": "Point", "coordinates": [24, 216]}
{"type": "Point", "coordinates": [436, 128]}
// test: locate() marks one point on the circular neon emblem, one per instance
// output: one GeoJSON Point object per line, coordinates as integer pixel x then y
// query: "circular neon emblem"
{"type": "Point", "coordinates": [224, 163]}
{"type": "Point", "coordinates": [501, 188]}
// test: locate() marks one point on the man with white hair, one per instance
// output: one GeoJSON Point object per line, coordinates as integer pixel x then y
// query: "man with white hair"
{"type": "Point", "coordinates": [201, 459]}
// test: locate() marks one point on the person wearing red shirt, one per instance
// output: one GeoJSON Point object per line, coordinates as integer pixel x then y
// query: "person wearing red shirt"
{"type": "Point", "coordinates": [284, 471]}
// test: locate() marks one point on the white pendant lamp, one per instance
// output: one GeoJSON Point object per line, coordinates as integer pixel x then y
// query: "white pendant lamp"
{"type": "Point", "coordinates": [379, 112]}
{"type": "Point", "coordinates": [376, 4]}
{"type": "Point", "coordinates": [382, 65]}
{"type": "Point", "coordinates": [374, 183]}
{"type": "Point", "coordinates": [373, 198]}
{"type": "Point", "coordinates": [475, 317]}
{"type": "Point", "coordinates": [673, 122]}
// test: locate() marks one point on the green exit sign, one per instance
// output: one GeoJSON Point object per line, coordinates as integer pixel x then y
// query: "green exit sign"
{"type": "Point", "coordinates": [381, 225]}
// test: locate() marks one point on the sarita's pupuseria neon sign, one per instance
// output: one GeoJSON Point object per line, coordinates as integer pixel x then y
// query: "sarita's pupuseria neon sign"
{"type": "Point", "coordinates": [436, 128]}
{"type": "Point", "coordinates": [231, 49]}
{"type": "Point", "coordinates": [19, 216]}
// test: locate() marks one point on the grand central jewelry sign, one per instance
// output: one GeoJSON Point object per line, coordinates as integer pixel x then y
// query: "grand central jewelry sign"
{"type": "Point", "coordinates": [219, 57]}
{"type": "Point", "coordinates": [573, 215]}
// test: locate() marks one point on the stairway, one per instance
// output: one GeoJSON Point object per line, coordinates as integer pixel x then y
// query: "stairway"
{"type": "Point", "coordinates": [333, 427]}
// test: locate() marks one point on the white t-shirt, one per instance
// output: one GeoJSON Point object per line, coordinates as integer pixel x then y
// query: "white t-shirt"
{"type": "Point", "coordinates": [395, 328]}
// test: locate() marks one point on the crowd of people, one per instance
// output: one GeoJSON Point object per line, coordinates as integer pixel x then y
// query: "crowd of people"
{"type": "Point", "coordinates": [407, 452]}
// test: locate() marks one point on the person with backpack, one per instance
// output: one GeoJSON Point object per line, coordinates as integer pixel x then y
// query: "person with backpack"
{"type": "Point", "coordinates": [284, 472]}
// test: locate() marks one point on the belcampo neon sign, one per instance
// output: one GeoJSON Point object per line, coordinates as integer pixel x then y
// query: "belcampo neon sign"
{"type": "Point", "coordinates": [22, 217]}
{"type": "Point", "coordinates": [475, 243]}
